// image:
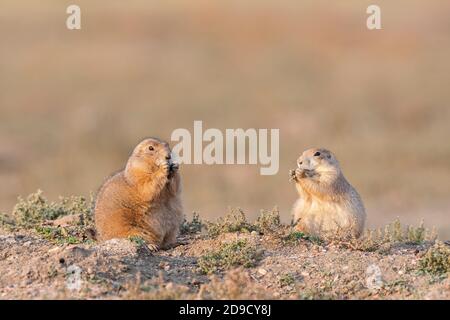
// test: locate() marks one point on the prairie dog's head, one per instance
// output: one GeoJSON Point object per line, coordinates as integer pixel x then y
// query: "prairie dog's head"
{"type": "Point", "coordinates": [149, 155]}
{"type": "Point", "coordinates": [319, 161]}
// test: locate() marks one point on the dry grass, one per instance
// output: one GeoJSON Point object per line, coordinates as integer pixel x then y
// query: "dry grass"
{"type": "Point", "coordinates": [383, 239]}
{"type": "Point", "coordinates": [234, 220]}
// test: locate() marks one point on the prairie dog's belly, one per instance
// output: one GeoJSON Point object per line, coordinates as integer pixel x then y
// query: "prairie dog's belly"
{"type": "Point", "coordinates": [317, 216]}
{"type": "Point", "coordinates": [165, 216]}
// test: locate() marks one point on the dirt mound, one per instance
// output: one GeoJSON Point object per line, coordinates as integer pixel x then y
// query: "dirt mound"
{"type": "Point", "coordinates": [35, 268]}
{"type": "Point", "coordinates": [46, 254]}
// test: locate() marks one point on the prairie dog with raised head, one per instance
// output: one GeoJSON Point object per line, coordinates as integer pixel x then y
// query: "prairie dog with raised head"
{"type": "Point", "coordinates": [328, 205]}
{"type": "Point", "coordinates": [144, 199]}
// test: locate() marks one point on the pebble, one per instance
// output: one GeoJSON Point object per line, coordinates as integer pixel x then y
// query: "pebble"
{"type": "Point", "coordinates": [52, 250]}
{"type": "Point", "coordinates": [170, 286]}
{"type": "Point", "coordinates": [195, 282]}
{"type": "Point", "coordinates": [262, 271]}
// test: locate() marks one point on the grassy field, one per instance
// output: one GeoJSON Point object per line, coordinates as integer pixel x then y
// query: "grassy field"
{"type": "Point", "coordinates": [74, 103]}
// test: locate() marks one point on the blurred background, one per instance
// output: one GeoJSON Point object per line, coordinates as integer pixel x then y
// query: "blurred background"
{"type": "Point", "coordinates": [73, 104]}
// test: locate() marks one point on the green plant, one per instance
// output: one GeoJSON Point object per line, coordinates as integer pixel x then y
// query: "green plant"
{"type": "Point", "coordinates": [193, 226]}
{"type": "Point", "coordinates": [237, 253]}
{"type": "Point", "coordinates": [268, 221]}
{"type": "Point", "coordinates": [38, 214]}
{"type": "Point", "coordinates": [286, 279]}
{"type": "Point", "coordinates": [138, 241]}
{"type": "Point", "coordinates": [36, 209]}
{"type": "Point", "coordinates": [234, 221]}
{"type": "Point", "coordinates": [436, 260]}
{"type": "Point", "coordinates": [6, 221]}
{"type": "Point", "coordinates": [61, 235]}
{"type": "Point", "coordinates": [295, 236]}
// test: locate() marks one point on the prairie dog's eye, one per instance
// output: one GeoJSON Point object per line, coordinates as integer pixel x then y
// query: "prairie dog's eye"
{"type": "Point", "coordinates": [300, 163]}
{"type": "Point", "coordinates": [151, 148]}
{"type": "Point", "coordinates": [317, 154]}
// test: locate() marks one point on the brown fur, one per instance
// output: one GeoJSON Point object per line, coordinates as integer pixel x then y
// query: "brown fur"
{"type": "Point", "coordinates": [142, 200]}
{"type": "Point", "coordinates": [328, 205]}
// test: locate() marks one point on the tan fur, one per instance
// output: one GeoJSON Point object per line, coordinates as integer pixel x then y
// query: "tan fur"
{"type": "Point", "coordinates": [328, 205]}
{"type": "Point", "coordinates": [142, 200]}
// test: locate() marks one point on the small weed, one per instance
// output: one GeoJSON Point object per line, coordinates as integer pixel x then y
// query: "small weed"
{"type": "Point", "coordinates": [436, 260]}
{"type": "Point", "coordinates": [294, 236]}
{"type": "Point", "coordinates": [6, 221]}
{"type": "Point", "coordinates": [286, 279]}
{"type": "Point", "coordinates": [268, 221]}
{"type": "Point", "coordinates": [383, 238]}
{"type": "Point", "coordinates": [237, 253]}
{"type": "Point", "coordinates": [138, 241]}
{"type": "Point", "coordinates": [234, 221]}
{"type": "Point", "coordinates": [37, 213]}
{"type": "Point", "coordinates": [193, 226]}
{"type": "Point", "coordinates": [396, 233]}
{"type": "Point", "coordinates": [58, 234]}
{"type": "Point", "coordinates": [35, 209]}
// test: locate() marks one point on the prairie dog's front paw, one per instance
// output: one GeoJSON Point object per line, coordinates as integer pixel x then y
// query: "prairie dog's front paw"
{"type": "Point", "coordinates": [164, 165]}
{"type": "Point", "coordinates": [292, 176]}
{"type": "Point", "coordinates": [296, 174]}
{"type": "Point", "coordinates": [174, 166]}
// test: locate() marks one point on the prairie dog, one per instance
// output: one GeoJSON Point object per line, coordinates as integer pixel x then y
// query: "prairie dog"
{"type": "Point", "coordinates": [144, 199]}
{"type": "Point", "coordinates": [328, 205]}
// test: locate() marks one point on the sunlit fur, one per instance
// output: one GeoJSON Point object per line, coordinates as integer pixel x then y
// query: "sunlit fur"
{"type": "Point", "coordinates": [328, 205]}
{"type": "Point", "coordinates": [142, 200]}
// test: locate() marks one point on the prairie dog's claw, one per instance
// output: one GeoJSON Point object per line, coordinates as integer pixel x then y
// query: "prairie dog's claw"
{"type": "Point", "coordinates": [152, 247]}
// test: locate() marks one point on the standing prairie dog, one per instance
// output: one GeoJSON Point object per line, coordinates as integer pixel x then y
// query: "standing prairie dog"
{"type": "Point", "coordinates": [142, 200]}
{"type": "Point", "coordinates": [328, 205]}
